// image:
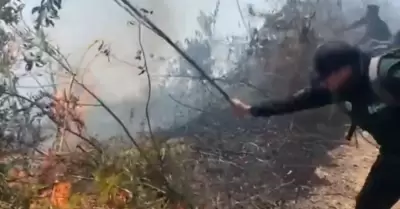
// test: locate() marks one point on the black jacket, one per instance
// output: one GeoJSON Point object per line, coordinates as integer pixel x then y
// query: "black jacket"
{"type": "Point", "coordinates": [376, 28]}
{"type": "Point", "coordinates": [380, 120]}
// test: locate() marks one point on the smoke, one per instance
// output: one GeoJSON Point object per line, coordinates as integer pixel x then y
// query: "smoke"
{"type": "Point", "coordinates": [126, 92]}
{"type": "Point", "coordinates": [119, 85]}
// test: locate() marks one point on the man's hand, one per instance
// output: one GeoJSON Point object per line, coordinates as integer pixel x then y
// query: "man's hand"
{"type": "Point", "coordinates": [240, 108]}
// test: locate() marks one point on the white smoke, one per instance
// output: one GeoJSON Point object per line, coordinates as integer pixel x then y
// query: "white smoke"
{"type": "Point", "coordinates": [86, 20]}
{"type": "Point", "coordinates": [126, 92]}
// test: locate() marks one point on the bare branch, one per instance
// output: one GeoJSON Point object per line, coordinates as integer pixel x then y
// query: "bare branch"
{"type": "Point", "coordinates": [160, 33]}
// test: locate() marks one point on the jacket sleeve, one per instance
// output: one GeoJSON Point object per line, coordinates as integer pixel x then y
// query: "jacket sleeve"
{"type": "Point", "coordinates": [357, 23]}
{"type": "Point", "coordinates": [307, 98]}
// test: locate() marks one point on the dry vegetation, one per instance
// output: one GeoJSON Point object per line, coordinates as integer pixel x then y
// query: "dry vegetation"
{"type": "Point", "coordinates": [214, 161]}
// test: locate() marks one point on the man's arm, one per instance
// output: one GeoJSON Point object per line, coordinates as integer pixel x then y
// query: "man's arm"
{"type": "Point", "coordinates": [357, 24]}
{"type": "Point", "coordinates": [307, 98]}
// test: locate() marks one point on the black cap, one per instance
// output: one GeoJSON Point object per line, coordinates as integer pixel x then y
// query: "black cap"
{"type": "Point", "coordinates": [373, 8]}
{"type": "Point", "coordinates": [331, 56]}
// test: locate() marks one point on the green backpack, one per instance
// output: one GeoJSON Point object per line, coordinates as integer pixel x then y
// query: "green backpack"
{"type": "Point", "coordinates": [384, 76]}
{"type": "Point", "coordinates": [383, 73]}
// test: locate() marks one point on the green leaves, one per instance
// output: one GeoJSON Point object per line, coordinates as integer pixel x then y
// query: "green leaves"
{"type": "Point", "coordinates": [36, 9]}
{"type": "Point", "coordinates": [57, 3]}
{"type": "Point", "coordinates": [2, 89]}
{"type": "Point", "coordinates": [47, 12]}
{"type": "Point", "coordinates": [10, 13]}
{"type": "Point", "coordinates": [49, 22]}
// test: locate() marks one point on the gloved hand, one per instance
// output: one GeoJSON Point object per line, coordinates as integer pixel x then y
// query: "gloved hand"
{"type": "Point", "coordinates": [240, 108]}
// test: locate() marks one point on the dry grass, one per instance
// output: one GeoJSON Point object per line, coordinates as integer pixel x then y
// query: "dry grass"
{"type": "Point", "coordinates": [123, 180]}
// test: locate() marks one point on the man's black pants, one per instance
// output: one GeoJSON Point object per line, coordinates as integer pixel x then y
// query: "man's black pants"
{"type": "Point", "coordinates": [381, 189]}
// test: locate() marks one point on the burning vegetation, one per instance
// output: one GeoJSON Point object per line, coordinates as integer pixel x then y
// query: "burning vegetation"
{"type": "Point", "coordinates": [212, 161]}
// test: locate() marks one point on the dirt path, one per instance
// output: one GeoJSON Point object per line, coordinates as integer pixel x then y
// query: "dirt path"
{"type": "Point", "coordinates": [346, 177]}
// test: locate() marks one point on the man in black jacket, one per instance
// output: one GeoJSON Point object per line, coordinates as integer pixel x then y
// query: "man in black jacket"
{"type": "Point", "coordinates": [376, 28]}
{"type": "Point", "coordinates": [346, 74]}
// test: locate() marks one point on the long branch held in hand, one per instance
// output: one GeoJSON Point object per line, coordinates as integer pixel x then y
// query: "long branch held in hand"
{"type": "Point", "coordinates": [160, 33]}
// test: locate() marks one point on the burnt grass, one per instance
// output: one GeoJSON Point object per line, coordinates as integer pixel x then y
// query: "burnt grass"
{"type": "Point", "coordinates": [262, 161]}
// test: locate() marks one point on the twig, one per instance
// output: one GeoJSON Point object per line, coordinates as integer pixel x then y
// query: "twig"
{"type": "Point", "coordinates": [242, 18]}
{"type": "Point", "coordinates": [160, 33]}
{"type": "Point", "coordinates": [147, 112]}
{"type": "Point", "coordinates": [187, 106]}
{"type": "Point", "coordinates": [55, 121]}
{"type": "Point", "coordinates": [66, 67]}
{"type": "Point", "coordinates": [221, 79]}
{"type": "Point", "coordinates": [36, 87]}
{"type": "Point", "coordinates": [123, 61]}
{"type": "Point", "coordinates": [229, 152]}
{"type": "Point", "coordinates": [63, 62]}
{"type": "Point", "coordinates": [146, 69]}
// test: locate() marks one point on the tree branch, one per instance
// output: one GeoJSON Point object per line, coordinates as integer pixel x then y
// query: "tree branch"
{"type": "Point", "coordinates": [161, 34]}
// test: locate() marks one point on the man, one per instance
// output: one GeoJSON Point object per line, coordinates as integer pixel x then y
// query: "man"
{"type": "Point", "coordinates": [346, 74]}
{"type": "Point", "coordinates": [376, 28]}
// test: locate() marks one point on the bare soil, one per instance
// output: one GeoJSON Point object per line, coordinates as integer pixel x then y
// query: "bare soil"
{"type": "Point", "coordinates": [346, 176]}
